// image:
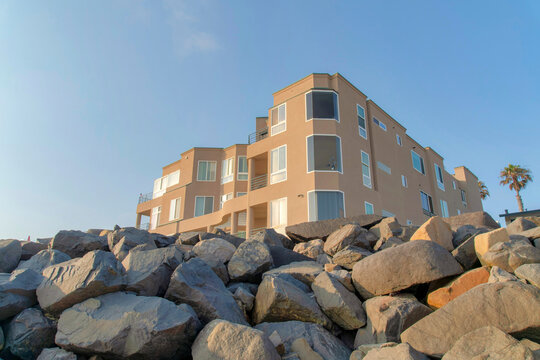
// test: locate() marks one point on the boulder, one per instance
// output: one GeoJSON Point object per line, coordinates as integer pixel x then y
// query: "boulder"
{"type": "Point", "coordinates": [479, 219]}
{"type": "Point", "coordinates": [321, 229]}
{"type": "Point", "coordinates": [465, 254]}
{"type": "Point", "coordinates": [350, 256]}
{"type": "Point", "coordinates": [332, 267]}
{"type": "Point", "coordinates": [482, 242]}
{"type": "Point", "coordinates": [10, 254]}
{"type": "Point", "coordinates": [519, 225]}
{"type": "Point", "coordinates": [68, 283]}
{"type": "Point", "coordinates": [384, 243]}
{"type": "Point", "coordinates": [464, 233]}
{"type": "Point", "coordinates": [223, 340]}
{"type": "Point", "coordinates": [56, 354]}
{"type": "Point", "coordinates": [216, 249]}
{"type": "Point", "coordinates": [31, 248]}
{"type": "Point", "coordinates": [338, 303]}
{"type": "Point", "coordinates": [281, 300]}
{"type": "Point", "coordinates": [252, 288]}
{"type": "Point", "coordinates": [45, 241]}
{"type": "Point", "coordinates": [388, 317]}
{"type": "Point", "coordinates": [305, 271]}
{"type": "Point", "coordinates": [149, 272]}
{"type": "Point", "coordinates": [417, 262]}
{"type": "Point", "coordinates": [195, 283]}
{"type": "Point", "coordinates": [318, 338]}
{"type": "Point", "coordinates": [511, 255]}
{"type": "Point", "coordinates": [188, 238]}
{"type": "Point", "coordinates": [350, 234]}
{"type": "Point", "coordinates": [529, 272]}
{"type": "Point", "coordinates": [488, 343]}
{"type": "Point", "coordinates": [362, 350]}
{"type": "Point", "coordinates": [218, 233]}
{"type": "Point", "coordinates": [534, 347]}
{"type": "Point", "coordinates": [344, 277]}
{"type": "Point", "coordinates": [272, 238]}
{"type": "Point", "coordinates": [122, 240]}
{"type": "Point", "coordinates": [245, 297]}
{"type": "Point", "coordinates": [311, 249]}
{"type": "Point", "coordinates": [283, 256]}
{"type": "Point", "coordinates": [1, 338]}
{"type": "Point", "coordinates": [387, 228]}
{"type": "Point", "coordinates": [43, 259]}
{"type": "Point", "coordinates": [499, 275]}
{"type": "Point", "coordinates": [457, 287]}
{"type": "Point", "coordinates": [17, 291]}
{"type": "Point", "coordinates": [531, 234]}
{"type": "Point", "coordinates": [123, 325]}
{"type": "Point", "coordinates": [249, 261]}
{"type": "Point", "coordinates": [436, 230]}
{"type": "Point", "coordinates": [219, 269]}
{"type": "Point", "coordinates": [511, 306]}
{"type": "Point", "coordinates": [399, 351]}
{"type": "Point", "coordinates": [304, 351]}
{"type": "Point", "coordinates": [77, 243]}
{"type": "Point", "coordinates": [29, 333]}
{"type": "Point", "coordinates": [324, 259]}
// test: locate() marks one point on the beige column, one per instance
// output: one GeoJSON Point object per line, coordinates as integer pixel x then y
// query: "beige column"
{"type": "Point", "coordinates": [234, 223]}
{"type": "Point", "coordinates": [138, 221]}
{"type": "Point", "coordinates": [251, 172]}
{"type": "Point", "coordinates": [249, 221]}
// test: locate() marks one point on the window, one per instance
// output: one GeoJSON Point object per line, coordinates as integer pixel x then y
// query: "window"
{"type": "Point", "coordinates": [224, 199]}
{"type": "Point", "coordinates": [278, 212]}
{"type": "Point", "coordinates": [242, 168]}
{"type": "Point", "coordinates": [155, 217]}
{"type": "Point", "coordinates": [458, 212]}
{"type": "Point", "coordinates": [278, 164]}
{"type": "Point", "coordinates": [439, 176]}
{"type": "Point", "coordinates": [206, 171]}
{"type": "Point", "coordinates": [160, 185]}
{"type": "Point", "coordinates": [387, 214]}
{"type": "Point", "coordinates": [324, 153]}
{"type": "Point", "coordinates": [409, 222]}
{"type": "Point", "coordinates": [325, 205]}
{"type": "Point", "coordinates": [173, 178]}
{"type": "Point", "coordinates": [242, 219]}
{"type": "Point", "coordinates": [398, 140]}
{"type": "Point", "coordinates": [227, 170]}
{"type": "Point", "coordinates": [380, 123]}
{"type": "Point", "coordinates": [278, 119]}
{"type": "Point", "coordinates": [238, 194]}
{"type": "Point", "coordinates": [418, 162]}
{"type": "Point", "coordinates": [463, 198]}
{"type": "Point", "coordinates": [384, 167]}
{"type": "Point", "coordinates": [361, 113]}
{"type": "Point", "coordinates": [427, 203]}
{"type": "Point", "coordinates": [403, 180]}
{"type": "Point", "coordinates": [454, 184]}
{"type": "Point", "coordinates": [444, 209]}
{"type": "Point", "coordinates": [204, 205]}
{"type": "Point", "coordinates": [366, 171]}
{"type": "Point", "coordinates": [322, 105]}
{"type": "Point", "coordinates": [369, 208]}
{"type": "Point", "coordinates": [174, 210]}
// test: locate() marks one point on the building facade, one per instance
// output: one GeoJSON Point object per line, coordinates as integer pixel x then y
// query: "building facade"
{"type": "Point", "coordinates": [324, 151]}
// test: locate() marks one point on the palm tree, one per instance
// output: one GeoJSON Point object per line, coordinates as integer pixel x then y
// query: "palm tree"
{"type": "Point", "coordinates": [517, 178]}
{"type": "Point", "coordinates": [484, 192]}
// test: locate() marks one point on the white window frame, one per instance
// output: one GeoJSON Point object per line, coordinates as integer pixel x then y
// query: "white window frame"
{"type": "Point", "coordinates": [444, 209]}
{"type": "Point", "coordinates": [227, 172]}
{"type": "Point", "coordinates": [404, 181]}
{"type": "Point", "coordinates": [321, 90]}
{"type": "Point", "coordinates": [362, 130]}
{"type": "Point", "coordinates": [207, 161]}
{"type": "Point", "coordinates": [340, 154]}
{"type": "Point", "coordinates": [162, 182]}
{"type": "Point", "coordinates": [241, 176]}
{"type": "Point", "coordinates": [422, 161]}
{"type": "Point", "coordinates": [379, 123]}
{"type": "Point", "coordinates": [280, 126]}
{"type": "Point", "coordinates": [366, 203]}
{"type": "Point", "coordinates": [241, 193]}
{"type": "Point", "coordinates": [280, 200]}
{"type": "Point", "coordinates": [174, 209]}
{"type": "Point", "coordinates": [398, 140]}
{"type": "Point", "coordinates": [155, 217]}
{"type": "Point", "coordinates": [284, 170]}
{"type": "Point", "coordinates": [173, 178]}
{"type": "Point", "coordinates": [224, 198]}
{"type": "Point", "coordinates": [326, 190]}
{"type": "Point", "coordinates": [195, 206]}
{"type": "Point", "coordinates": [364, 176]}
{"type": "Point", "coordinates": [384, 167]}
{"type": "Point", "coordinates": [440, 182]}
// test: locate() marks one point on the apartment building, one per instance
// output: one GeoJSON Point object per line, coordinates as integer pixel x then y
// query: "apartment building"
{"type": "Point", "coordinates": [324, 151]}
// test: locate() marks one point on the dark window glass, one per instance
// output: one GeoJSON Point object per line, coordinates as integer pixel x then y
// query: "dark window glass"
{"type": "Point", "coordinates": [427, 203]}
{"type": "Point", "coordinates": [325, 205]}
{"type": "Point", "coordinates": [322, 105]}
{"type": "Point", "coordinates": [324, 153]}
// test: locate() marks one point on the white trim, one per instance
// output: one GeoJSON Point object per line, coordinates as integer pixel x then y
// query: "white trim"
{"type": "Point", "coordinates": [284, 122]}
{"type": "Point", "coordinates": [227, 178]}
{"type": "Point", "coordinates": [432, 209]}
{"type": "Point", "coordinates": [454, 184]}
{"type": "Point", "coordinates": [195, 205]}
{"type": "Point", "coordinates": [399, 141]}
{"type": "Point", "coordinates": [171, 176]}
{"type": "Point", "coordinates": [279, 171]}
{"type": "Point", "coordinates": [372, 207]}
{"type": "Point", "coordinates": [241, 192]}
{"type": "Point", "coordinates": [209, 161]}
{"type": "Point", "coordinates": [221, 202]}
{"type": "Point", "coordinates": [327, 190]}
{"type": "Point", "coordinates": [172, 213]}
{"type": "Point", "coordinates": [437, 170]}
{"type": "Point", "coordinates": [340, 155]}
{"type": "Point", "coordinates": [365, 121]}
{"type": "Point", "coordinates": [370, 186]}
{"type": "Point", "coordinates": [444, 208]}
{"type": "Point", "coordinates": [238, 173]}
{"type": "Point", "coordinates": [423, 163]}
{"type": "Point", "coordinates": [321, 90]}
{"type": "Point", "coordinates": [404, 182]}
{"type": "Point", "coordinates": [286, 211]}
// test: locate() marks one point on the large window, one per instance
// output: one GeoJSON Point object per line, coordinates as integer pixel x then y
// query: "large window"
{"type": "Point", "coordinates": [204, 205]}
{"type": "Point", "coordinates": [418, 162]}
{"type": "Point", "coordinates": [368, 207]}
{"type": "Point", "coordinates": [380, 123]}
{"type": "Point", "coordinates": [155, 217]}
{"type": "Point", "coordinates": [444, 209]}
{"type": "Point", "coordinates": [278, 119]}
{"type": "Point", "coordinates": [324, 153]}
{"type": "Point", "coordinates": [242, 168]}
{"type": "Point", "coordinates": [366, 170]}
{"type": "Point", "coordinates": [324, 205]}
{"type": "Point", "coordinates": [173, 178]}
{"type": "Point", "coordinates": [278, 164]}
{"type": "Point", "coordinates": [174, 210]}
{"type": "Point", "coordinates": [227, 170]}
{"type": "Point", "coordinates": [439, 176]}
{"type": "Point", "coordinates": [361, 113]}
{"type": "Point", "coordinates": [427, 203]}
{"type": "Point", "coordinates": [160, 185]}
{"type": "Point", "coordinates": [322, 105]}
{"type": "Point", "coordinates": [278, 212]}
{"type": "Point", "coordinates": [206, 171]}
{"type": "Point", "coordinates": [224, 199]}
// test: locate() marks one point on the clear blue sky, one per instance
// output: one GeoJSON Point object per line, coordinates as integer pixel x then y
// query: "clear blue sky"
{"type": "Point", "coordinates": [97, 96]}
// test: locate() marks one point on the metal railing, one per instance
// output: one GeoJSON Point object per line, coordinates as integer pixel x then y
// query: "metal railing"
{"type": "Point", "coordinates": [258, 135]}
{"type": "Point", "coordinates": [258, 182]}
{"type": "Point", "coordinates": [254, 231]}
{"type": "Point", "coordinates": [145, 197]}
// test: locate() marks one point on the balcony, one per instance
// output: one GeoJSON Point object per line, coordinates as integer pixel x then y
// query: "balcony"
{"type": "Point", "coordinates": [258, 135]}
{"type": "Point", "coordinates": [145, 197]}
{"type": "Point", "coordinates": [258, 182]}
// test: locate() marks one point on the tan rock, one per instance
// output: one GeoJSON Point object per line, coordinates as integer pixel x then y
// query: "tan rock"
{"type": "Point", "coordinates": [482, 242]}
{"type": "Point", "coordinates": [311, 248]}
{"type": "Point", "coordinates": [462, 284]}
{"type": "Point", "coordinates": [304, 351]}
{"type": "Point", "coordinates": [350, 234]}
{"type": "Point", "coordinates": [331, 267]}
{"type": "Point", "coordinates": [511, 255]}
{"type": "Point", "coordinates": [400, 351]}
{"type": "Point", "coordinates": [436, 230]}
{"type": "Point", "coordinates": [499, 275]}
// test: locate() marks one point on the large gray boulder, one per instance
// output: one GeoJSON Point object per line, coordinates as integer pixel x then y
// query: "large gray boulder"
{"type": "Point", "coordinates": [281, 300]}
{"type": "Point", "coordinates": [519, 225]}
{"type": "Point", "coordinates": [479, 219]}
{"type": "Point", "coordinates": [417, 262]}
{"type": "Point", "coordinates": [318, 338]}
{"type": "Point", "coordinates": [188, 238]}
{"type": "Point", "coordinates": [214, 250]}
{"type": "Point", "coordinates": [305, 271]}
{"type": "Point", "coordinates": [387, 228]}
{"type": "Point", "coordinates": [31, 248]}
{"type": "Point", "coordinates": [437, 230]}
{"type": "Point", "coordinates": [388, 317]}
{"type": "Point", "coordinates": [271, 238]}
{"type": "Point", "coordinates": [532, 234]}
{"type": "Point", "coordinates": [149, 272]}
{"type": "Point", "coordinates": [511, 306]}
{"type": "Point", "coordinates": [56, 354]}
{"type": "Point", "coordinates": [73, 281]}
{"type": "Point", "coordinates": [311, 249]}
{"type": "Point", "coordinates": [321, 229]}
{"type": "Point", "coordinates": [77, 243]}
{"type": "Point", "coordinates": [350, 256]}
{"type": "Point", "coordinates": [195, 283]}
{"type": "Point", "coordinates": [10, 254]}
{"type": "Point", "coordinates": [338, 303]}
{"type": "Point", "coordinates": [397, 352]}
{"type": "Point", "coordinates": [123, 325]}
{"type": "Point", "coordinates": [17, 291]}
{"type": "Point", "coordinates": [529, 272]}
{"type": "Point", "coordinates": [511, 254]}
{"type": "Point", "coordinates": [283, 256]}
{"type": "Point", "coordinates": [465, 253]}
{"type": "Point", "coordinates": [122, 240]}
{"type": "Point", "coordinates": [350, 234]}
{"type": "Point", "coordinates": [29, 333]}
{"type": "Point", "coordinates": [249, 261]}
{"type": "Point", "coordinates": [223, 340]}
{"type": "Point", "coordinates": [43, 259]}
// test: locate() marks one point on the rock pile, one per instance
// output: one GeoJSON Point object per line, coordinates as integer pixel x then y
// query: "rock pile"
{"type": "Point", "coordinates": [364, 287]}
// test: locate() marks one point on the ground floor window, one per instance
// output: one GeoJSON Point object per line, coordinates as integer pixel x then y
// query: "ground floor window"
{"type": "Point", "coordinates": [444, 209]}
{"type": "Point", "coordinates": [154, 219]}
{"type": "Point", "coordinates": [369, 208]}
{"type": "Point", "coordinates": [427, 203]}
{"type": "Point", "coordinates": [324, 205]}
{"type": "Point", "coordinates": [278, 212]}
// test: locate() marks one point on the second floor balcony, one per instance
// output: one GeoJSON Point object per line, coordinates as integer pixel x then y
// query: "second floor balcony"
{"type": "Point", "coordinates": [258, 135]}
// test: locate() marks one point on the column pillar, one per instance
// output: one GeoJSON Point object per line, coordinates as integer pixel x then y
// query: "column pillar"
{"type": "Point", "coordinates": [249, 221]}
{"type": "Point", "coordinates": [251, 172]}
{"type": "Point", "coordinates": [138, 221]}
{"type": "Point", "coordinates": [234, 223]}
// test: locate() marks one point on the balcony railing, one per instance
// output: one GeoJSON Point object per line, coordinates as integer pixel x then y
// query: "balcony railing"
{"type": "Point", "coordinates": [258, 182]}
{"type": "Point", "coordinates": [145, 226]}
{"type": "Point", "coordinates": [145, 197]}
{"type": "Point", "coordinates": [258, 135]}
